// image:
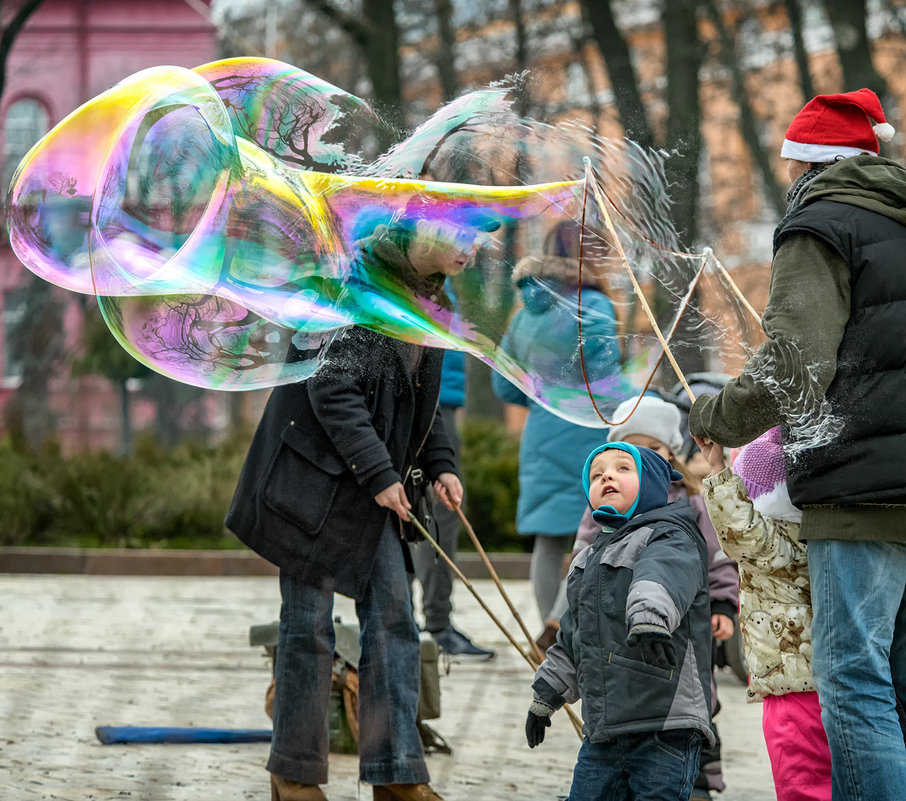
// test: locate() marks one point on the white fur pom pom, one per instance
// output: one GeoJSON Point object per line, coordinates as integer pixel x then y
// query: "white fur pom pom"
{"type": "Point", "coordinates": [884, 131]}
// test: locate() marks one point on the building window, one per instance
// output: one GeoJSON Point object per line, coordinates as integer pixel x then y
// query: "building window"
{"type": "Point", "coordinates": [26, 122]}
{"type": "Point", "coordinates": [13, 313]}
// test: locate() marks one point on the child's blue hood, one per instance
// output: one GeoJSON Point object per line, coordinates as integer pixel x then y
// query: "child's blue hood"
{"type": "Point", "coordinates": [655, 477]}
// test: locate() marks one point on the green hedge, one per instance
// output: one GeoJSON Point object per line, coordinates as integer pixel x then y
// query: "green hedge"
{"type": "Point", "coordinates": [152, 498]}
{"type": "Point", "coordinates": [177, 498]}
{"type": "Point", "coordinates": [490, 464]}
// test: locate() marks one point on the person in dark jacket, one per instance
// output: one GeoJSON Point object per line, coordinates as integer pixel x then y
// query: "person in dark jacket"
{"type": "Point", "coordinates": [832, 373]}
{"type": "Point", "coordinates": [635, 643]}
{"type": "Point", "coordinates": [323, 475]}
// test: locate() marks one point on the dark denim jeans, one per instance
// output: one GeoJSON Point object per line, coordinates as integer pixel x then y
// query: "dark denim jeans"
{"type": "Point", "coordinates": [653, 766]}
{"type": "Point", "coordinates": [859, 663]}
{"type": "Point", "coordinates": [390, 749]}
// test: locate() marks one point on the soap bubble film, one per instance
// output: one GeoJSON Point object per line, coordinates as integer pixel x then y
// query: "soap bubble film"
{"type": "Point", "coordinates": [235, 219]}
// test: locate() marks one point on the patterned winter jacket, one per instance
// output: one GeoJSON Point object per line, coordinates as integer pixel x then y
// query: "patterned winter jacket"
{"type": "Point", "coordinates": [775, 600]}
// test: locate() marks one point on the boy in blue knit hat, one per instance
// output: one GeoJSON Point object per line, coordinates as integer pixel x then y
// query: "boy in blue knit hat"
{"type": "Point", "coordinates": [633, 645]}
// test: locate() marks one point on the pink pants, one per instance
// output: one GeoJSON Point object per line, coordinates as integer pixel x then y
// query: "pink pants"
{"type": "Point", "coordinates": [797, 746]}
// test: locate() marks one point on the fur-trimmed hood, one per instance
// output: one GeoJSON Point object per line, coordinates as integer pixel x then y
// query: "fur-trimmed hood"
{"type": "Point", "coordinates": [558, 268]}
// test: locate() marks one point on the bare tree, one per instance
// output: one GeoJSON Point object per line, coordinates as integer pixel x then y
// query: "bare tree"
{"type": "Point", "coordinates": [445, 58]}
{"type": "Point", "coordinates": [623, 79]}
{"type": "Point", "coordinates": [376, 32]}
{"type": "Point", "coordinates": [731, 59]}
{"type": "Point", "coordinates": [847, 18]}
{"type": "Point", "coordinates": [794, 14]}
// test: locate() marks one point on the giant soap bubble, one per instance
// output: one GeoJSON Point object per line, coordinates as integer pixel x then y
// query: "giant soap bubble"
{"type": "Point", "coordinates": [233, 220]}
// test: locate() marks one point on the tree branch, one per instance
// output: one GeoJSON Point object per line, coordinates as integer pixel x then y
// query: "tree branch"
{"type": "Point", "coordinates": [357, 28]}
{"type": "Point", "coordinates": [11, 31]}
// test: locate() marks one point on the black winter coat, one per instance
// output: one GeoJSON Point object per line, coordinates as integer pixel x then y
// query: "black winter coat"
{"type": "Point", "coordinates": [325, 447]}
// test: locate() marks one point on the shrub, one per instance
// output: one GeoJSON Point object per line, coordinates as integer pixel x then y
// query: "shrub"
{"type": "Point", "coordinates": [490, 464]}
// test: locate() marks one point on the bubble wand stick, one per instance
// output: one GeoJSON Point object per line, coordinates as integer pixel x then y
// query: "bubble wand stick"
{"type": "Point", "coordinates": [574, 718]}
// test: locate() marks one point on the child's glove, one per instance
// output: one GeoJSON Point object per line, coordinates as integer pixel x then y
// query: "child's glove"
{"type": "Point", "coordinates": [539, 718]}
{"type": "Point", "coordinates": [654, 643]}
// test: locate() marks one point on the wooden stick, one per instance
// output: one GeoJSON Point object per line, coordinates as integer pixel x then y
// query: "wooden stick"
{"type": "Point", "coordinates": [577, 725]}
{"type": "Point", "coordinates": [596, 190]}
{"type": "Point", "coordinates": [732, 283]}
{"type": "Point", "coordinates": [539, 657]}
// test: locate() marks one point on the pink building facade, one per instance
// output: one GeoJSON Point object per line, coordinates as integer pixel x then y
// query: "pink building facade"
{"type": "Point", "coordinates": [68, 52]}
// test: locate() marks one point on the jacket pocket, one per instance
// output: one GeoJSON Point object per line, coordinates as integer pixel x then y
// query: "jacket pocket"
{"type": "Point", "coordinates": [300, 485]}
{"type": "Point", "coordinates": [637, 691]}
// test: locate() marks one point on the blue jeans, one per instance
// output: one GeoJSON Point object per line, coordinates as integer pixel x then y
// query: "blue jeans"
{"type": "Point", "coordinates": [859, 662]}
{"type": "Point", "coordinates": [652, 766]}
{"type": "Point", "coordinates": [390, 749]}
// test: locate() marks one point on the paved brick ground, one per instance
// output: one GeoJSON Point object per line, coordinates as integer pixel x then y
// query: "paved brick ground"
{"type": "Point", "coordinates": [81, 651]}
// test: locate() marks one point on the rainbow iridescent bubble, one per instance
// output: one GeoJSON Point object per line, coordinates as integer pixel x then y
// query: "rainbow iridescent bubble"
{"type": "Point", "coordinates": [233, 220]}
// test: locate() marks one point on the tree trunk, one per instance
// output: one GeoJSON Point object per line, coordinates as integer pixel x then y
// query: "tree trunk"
{"type": "Point", "coordinates": [684, 142]}
{"type": "Point", "coordinates": [36, 340]}
{"type": "Point", "coordinates": [794, 13]}
{"type": "Point", "coordinates": [381, 47]}
{"type": "Point", "coordinates": [446, 49]}
{"type": "Point", "coordinates": [623, 80]}
{"type": "Point", "coordinates": [774, 194]}
{"type": "Point", "coordinates": [684, 114]}
{"type": "Point", "coordinates": [847, 18]}
{"type": "Point", "coordinates": [521, 55]}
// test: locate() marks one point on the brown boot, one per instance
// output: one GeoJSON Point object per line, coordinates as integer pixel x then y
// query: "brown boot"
{"type": "Point", "coordinates": [405, 792]}
{"type": "Point", "coordinates": [285, 790]}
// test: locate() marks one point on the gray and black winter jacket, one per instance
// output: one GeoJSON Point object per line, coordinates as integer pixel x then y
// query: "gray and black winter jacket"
{"type": "Point", "coordinates": [651, 570]}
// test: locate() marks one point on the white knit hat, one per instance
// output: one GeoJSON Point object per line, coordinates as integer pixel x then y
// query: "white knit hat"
{"type": "Point", "coordinates": [653, 418]}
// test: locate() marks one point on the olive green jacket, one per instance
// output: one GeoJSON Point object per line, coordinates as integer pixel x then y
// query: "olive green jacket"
{"type": "Point", "coordinates": [807, 312]}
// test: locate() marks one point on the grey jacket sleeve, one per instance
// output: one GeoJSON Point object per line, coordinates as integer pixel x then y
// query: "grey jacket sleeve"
{"type": "Point", "coordinates": [556, 682]}
{"type": "Point", "coordinates": [665, 580]}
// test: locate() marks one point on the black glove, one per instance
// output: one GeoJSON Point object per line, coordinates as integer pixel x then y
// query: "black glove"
{"type": "Point", "coordinates": [534, 728]}
{"type": "Point", "coordinates": [655, 644]}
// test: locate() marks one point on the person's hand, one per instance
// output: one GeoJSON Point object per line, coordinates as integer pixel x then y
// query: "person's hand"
{"type": "Point", "coordinates": [449, 489]}
{"type": "Point", "coordinates": [655, 644]}
{"type": "Point", "coordinates": [394, 497]}
{"type": "Point", "coordinates": [713, 452]}
{"type": "Point", "coordinates": [534, 728]}
{"type": "Point", "coordinates": [721, 627]}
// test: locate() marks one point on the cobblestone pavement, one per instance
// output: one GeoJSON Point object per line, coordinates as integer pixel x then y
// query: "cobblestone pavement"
{"type": "Point", "coordinates": [82, 651]}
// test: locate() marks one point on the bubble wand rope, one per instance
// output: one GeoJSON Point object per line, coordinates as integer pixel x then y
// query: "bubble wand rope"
{"type": "Point", "coordinates": [685, 302]}
{"type": "Point", "coordinates": [610, 227]}
{"type": "Point", "coordinates": [574, 719]}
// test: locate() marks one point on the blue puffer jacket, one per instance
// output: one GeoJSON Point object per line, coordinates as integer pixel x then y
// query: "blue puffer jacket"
{"type": "Point", "coordinates": [543, 337]}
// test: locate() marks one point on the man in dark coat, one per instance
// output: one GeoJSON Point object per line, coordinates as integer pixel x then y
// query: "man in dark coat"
{"type": "Point", "coordinates": [324, 472]}
{"type": "Point", "coordinates": [833, 373]}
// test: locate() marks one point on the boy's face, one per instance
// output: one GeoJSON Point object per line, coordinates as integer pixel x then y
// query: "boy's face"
{"type": "Point", "coordinates": [613, 480]}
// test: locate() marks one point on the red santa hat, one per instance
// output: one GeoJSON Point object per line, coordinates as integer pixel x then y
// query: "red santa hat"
{"type": "Point", "coordinates": [832, 126]}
